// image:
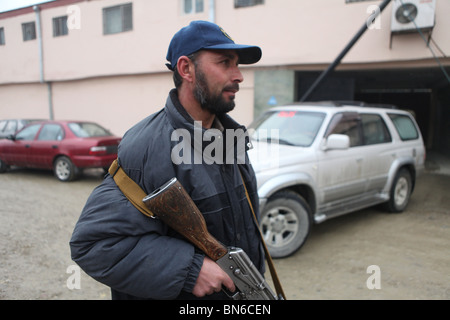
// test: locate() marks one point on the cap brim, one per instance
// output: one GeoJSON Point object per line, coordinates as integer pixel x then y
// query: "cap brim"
{"type": "Point", "coordinates": [247, 54]}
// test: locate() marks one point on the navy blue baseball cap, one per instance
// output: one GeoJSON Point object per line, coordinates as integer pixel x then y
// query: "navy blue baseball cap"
{"type": "Point", "coordinates": [204, 35]}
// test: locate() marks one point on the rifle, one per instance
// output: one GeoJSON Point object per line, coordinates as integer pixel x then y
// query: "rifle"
{"type": "Point", "coordinates": [173, 206]}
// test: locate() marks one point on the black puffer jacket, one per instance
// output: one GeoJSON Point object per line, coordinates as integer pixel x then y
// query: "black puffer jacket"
{"type": "Point", "coordinates": [140, 257]}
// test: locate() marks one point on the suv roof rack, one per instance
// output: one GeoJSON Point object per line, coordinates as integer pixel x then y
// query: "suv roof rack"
{"type": "Point", "coordinates": [382, 105]}
{"type": "Point", "coordinates": [341, 103]}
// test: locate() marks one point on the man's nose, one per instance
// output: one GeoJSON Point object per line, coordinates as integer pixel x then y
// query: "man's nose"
{"type": "Point", "coordinates": [237, 75]}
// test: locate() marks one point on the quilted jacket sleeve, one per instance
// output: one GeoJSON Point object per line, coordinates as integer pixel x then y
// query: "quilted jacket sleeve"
{"type": "Point", "coordinates": [120, 247]}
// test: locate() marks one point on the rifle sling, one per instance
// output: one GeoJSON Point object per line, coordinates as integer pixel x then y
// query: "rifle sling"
{"type": "Point", "coordinates": [273, 272]}
{"type": "Point", "coordinates": [135, 194]}
{"type": "Point", "coordinates": [129, 188]}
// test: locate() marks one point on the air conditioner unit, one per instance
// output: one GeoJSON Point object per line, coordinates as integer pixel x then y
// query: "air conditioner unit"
{"type": "Point", "coordinates": [407, 14]}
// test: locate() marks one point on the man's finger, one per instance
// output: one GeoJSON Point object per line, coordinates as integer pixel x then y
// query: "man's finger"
{"type": "Point", "coordinates": [229, 284]}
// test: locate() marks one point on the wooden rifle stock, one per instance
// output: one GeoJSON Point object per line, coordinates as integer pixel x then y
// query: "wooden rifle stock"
{"type": "Point", "coordinates": [174, 206]}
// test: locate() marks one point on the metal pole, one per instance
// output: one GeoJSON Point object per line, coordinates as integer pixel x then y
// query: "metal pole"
{"type": "Point", "coordinates": [41, 50]}
{"type": "Point", "coordinates": [41, 62]}
{"type": "Point", "coordinates": [345, 51]}
{"type": "Point", "coordinates": [50, 101]}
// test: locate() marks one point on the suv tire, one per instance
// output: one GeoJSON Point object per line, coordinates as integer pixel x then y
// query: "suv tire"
{"type": "Point", "coordinates": [400, 192]}
{"type": "Point", "coordinates": [285, 223]}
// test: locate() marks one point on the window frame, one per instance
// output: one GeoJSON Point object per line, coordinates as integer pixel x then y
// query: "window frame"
{"type": "Point", "coordinates": [48, 127]}
{"type": "Point", "coordinates": [356, 1]}
{"type": "Point", "coordinates": [387, 137]}
{"type": "Point", "coordinates": [2, 36]}
{"type": "Point", "coordinates": [60, 26]}
{"type": "Point", "coordinates": [25, 30]}
{"type": "Point", "coordinates": [399, 131]}
{"type": "Point", "coordinates": [351, 120]}
{"type": "Point", "coordinates": [124, 26]}
{"type": "Point", "coordinates": [194, 7]}
{"type": "Point", "coordinates": [33, 129]}
{"type": "Point", "coordinates": [247, 3]}
{"type": "Point", "coordinates": [86, 129]}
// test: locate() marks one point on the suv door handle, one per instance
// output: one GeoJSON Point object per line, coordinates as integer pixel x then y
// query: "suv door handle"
{"type": "Point", "coordinates": [27, 146]}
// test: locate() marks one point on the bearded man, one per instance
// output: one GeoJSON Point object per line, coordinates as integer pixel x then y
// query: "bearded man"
{"type": "Point", "coordinates": [139, 257]}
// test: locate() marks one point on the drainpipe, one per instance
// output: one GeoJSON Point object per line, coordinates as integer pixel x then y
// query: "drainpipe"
{"type": "Point", "coordinates": [41, 50]}
{"type": "Point", "coordinates": [41, 60]}
{"type": "Point", "coordinates": [212, 11]}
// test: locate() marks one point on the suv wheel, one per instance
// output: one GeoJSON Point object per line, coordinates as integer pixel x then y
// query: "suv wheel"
{"type": "Point", "coordinates": [285, 223]}
{"type": "Point", "coordinates": [64, 169]}
{"type": "Point", "coordinates": [400, 192]}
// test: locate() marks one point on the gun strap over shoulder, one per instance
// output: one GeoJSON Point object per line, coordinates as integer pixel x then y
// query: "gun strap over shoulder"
{"type": "Point", "coordinates": [273, 272]}
{"type": "Point", "coordinates": [135, 194]}
{"type": "Point", "coordinates": [129, 188]}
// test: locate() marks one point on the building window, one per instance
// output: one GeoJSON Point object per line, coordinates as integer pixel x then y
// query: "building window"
{"type": "Point", "coordinates": [60, 26]}
{"type": "Point", "coordinates": [29, 31]}
{"type": "Point", "coordinates": [192, 6]}
{"type": "Point", "coordinates": [2, 36]}
{"type": "Point", "coordinates": [247, 3]}
{"type": "Point", "coordinates": [350, 1]}
{"type": "Point", "coordinates": [118, 19]}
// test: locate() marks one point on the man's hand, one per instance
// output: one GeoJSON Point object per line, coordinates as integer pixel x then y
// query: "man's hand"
{"type": "Point", "coordinates": [211, 278]}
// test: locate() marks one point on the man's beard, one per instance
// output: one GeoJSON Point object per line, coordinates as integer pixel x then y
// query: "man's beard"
{"type": "Point", "coordinates": [215, 104]}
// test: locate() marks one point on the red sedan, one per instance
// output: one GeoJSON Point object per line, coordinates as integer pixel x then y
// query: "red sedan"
{"type": "Point", "coordinates": [67, 147]}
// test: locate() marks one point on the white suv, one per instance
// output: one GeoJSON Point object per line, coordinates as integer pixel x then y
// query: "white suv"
{"type": "Point", "coordinates": [316, 161]}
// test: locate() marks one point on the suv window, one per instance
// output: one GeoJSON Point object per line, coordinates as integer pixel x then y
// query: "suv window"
{"type": "Point", "coordinates": [374, 129]}
{"type": "Point", "coordinates": [405, 126]}
{"type": "Point", "coordinates": [347, 123]}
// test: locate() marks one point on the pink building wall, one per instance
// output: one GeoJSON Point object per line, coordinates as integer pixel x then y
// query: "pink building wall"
{"type": "Point", "coordinates": [119, 79]}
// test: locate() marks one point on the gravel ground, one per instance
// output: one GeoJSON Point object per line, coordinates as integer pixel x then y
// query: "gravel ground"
{"type": "Point", "coordinates": [38, 214]}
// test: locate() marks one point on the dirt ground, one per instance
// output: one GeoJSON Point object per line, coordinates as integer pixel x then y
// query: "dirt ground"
{"type": "Point", "coordinates": [411, 250]}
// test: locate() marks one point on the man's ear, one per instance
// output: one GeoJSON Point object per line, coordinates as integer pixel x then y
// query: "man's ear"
{"type": "Point", "coordinates": [186, 68]}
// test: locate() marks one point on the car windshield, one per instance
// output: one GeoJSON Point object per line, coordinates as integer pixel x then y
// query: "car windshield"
{"type": "Point", "coordinates": [297, 128]}
{"type": "Point", "coordinates": [88, 130]}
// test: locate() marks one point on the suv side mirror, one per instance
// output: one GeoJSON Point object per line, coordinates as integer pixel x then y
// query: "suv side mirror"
{"type": "Point", "coordinates": [337, 142]}
{"type": "Point", "coordinates": [11, 137]}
